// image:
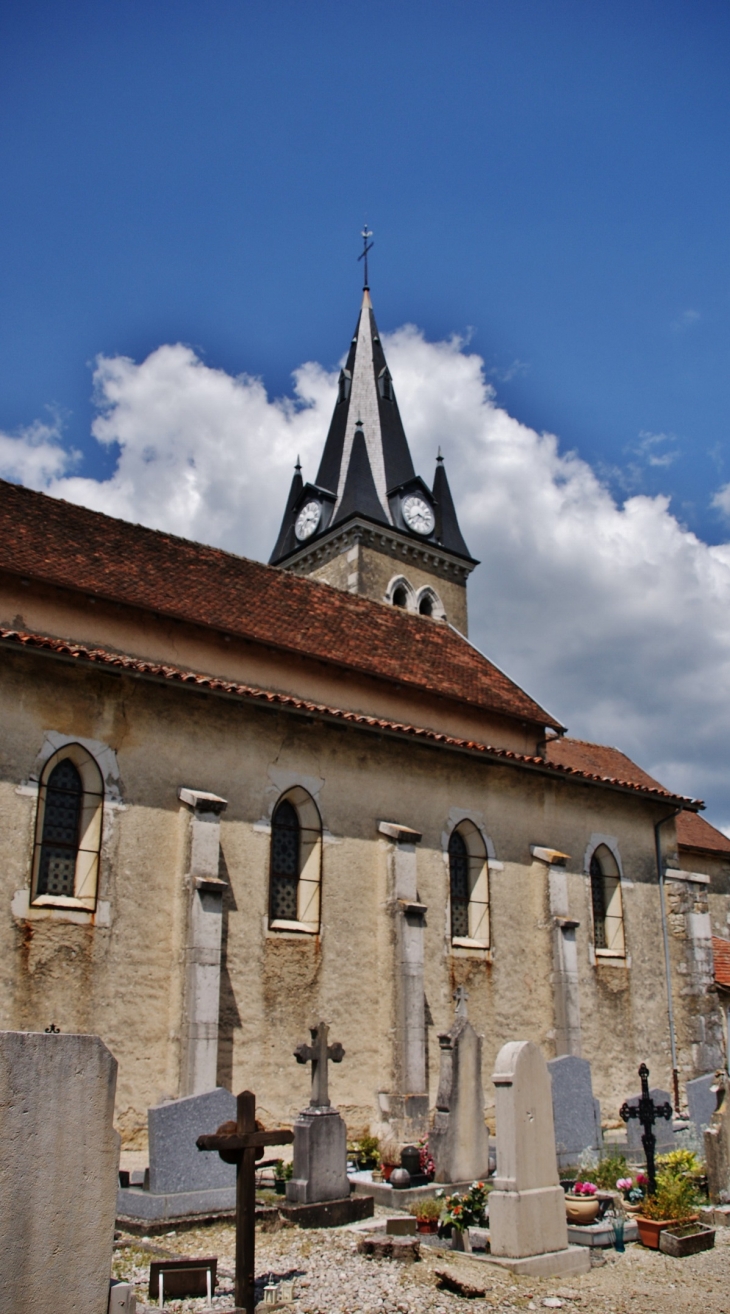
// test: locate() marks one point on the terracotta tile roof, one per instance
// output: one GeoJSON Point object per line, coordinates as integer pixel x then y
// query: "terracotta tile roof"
{"type": "Point", "coordinates": [47, 539]}
{"type": "Point", "coordinates": [599, 760]}
{"type": "Point", "coordinates": [721, 954]}
{"type": "Point", "coordinates": [694, 832]}
{"type": "Point", "coordinates": [77, 652]}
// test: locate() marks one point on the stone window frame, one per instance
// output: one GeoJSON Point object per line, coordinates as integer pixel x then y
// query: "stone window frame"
{"type": "Point", "coordinates": [437, 607]}
{"type": "Point", "coordinates": [309, 879]}
{"type": "Point", "coordinates": [88, 852]}
{"type": "Point", "coordinates": [481, 848]}
{"type": "Point", "coordinates": [400, 581]}
{"type": "Point", "coordinates": [613, 954]}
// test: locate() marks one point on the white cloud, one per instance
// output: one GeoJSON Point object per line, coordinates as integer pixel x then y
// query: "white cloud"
{"type": "Point", "coordinates": [34, 455]}
{"type": "Point", "coordinates": [615, 617]}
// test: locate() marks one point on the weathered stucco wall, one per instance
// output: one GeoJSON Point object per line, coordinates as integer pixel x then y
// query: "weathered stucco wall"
{"type": "Point", "coordinates": [121, 974]}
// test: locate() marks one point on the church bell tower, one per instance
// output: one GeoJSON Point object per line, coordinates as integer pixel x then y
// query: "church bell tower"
{"type": "Point", "coordinates": [369, 524]}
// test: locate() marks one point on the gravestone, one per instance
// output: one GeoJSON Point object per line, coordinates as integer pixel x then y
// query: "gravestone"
{"type": "Point", "coordinates": [576, 1113]}
{"type": "Point", "coordinates": [459, 1141]}
{"type": "Point", "coordinates": [663, 1128]}
{"type": "Point", "coordinates": [183, 1182]}
{"type": "Point", "coordinates": [702, 1102]}
{"type": "Point", "coordinates": [527, 1219]}
{"type": "Point", "coordinates": [319, 1175]}
{"type": "Point", "coordinates": [60, 1159]}
{"type": "Point", "coordinates": [717, 1144]}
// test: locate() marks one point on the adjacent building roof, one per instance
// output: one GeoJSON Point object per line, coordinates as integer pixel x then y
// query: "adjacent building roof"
{"type": "Point", "coordinates": [366, 458]}
{"type": "Point", "coordinates": [721, 954]}
{"type": "Point", "coordinates": [694, 832]}
{"type": "Point", "coordinates": [601, 761]}
{"type": "Point", "coordinates": [62, 544]}
{"type": "Point", "coordinates": [81, 654]}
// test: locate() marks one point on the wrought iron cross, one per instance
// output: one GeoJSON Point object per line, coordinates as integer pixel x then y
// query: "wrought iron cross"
{"type": "Point", "coordinates": [367, 246]}
{"type": "Point", "coordinates": [647, 1112]}
{"type": "Point", "coordinates": [241, 1142]}
{"type": "Point", "coordinates": [318, 1054]}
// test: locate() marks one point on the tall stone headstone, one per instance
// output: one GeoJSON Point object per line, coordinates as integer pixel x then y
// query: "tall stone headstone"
{"type": "Point", "coordinates": [181, 1180]}
{"type": "Point", "coordinates": [58, 1184]}
{"type": "Point", "coordinates": [527, 1218]}
{"type": "Point", "coordinates": [717, 1144]}
{"type": "Point", "coordinates": [663, 1128]}
{"type": "Point", "coordinates": [576, 1112]}
{"type": "Point", "coordinates": [702, 1103]}
{"type": "Point", "coordinates": [459, 1141]}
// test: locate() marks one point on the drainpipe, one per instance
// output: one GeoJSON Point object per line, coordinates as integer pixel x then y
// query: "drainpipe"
{"type": "Point", "coordinates": [667, 966]}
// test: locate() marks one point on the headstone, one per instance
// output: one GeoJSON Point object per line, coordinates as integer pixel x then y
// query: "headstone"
{"type": "Point", "coordinates": [576, 1113]}
{"type": "Point", "coordinates": [459, 1141]}
{"type": "Point", "coordinates": [717, 1144]}
{"type": "Point", "coordinates": [60, 1159]}
{"type": "Point", "coordinates": [527, 1219]}
{"type": "Point", "coordinates": [183, 1182]}
{"type": "Point", "coordinates": [663, 1128]}
{"type": "Point", "coordinates": [702, 1102]}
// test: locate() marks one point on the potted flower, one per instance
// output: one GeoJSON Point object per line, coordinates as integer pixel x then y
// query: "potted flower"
{"type": "Point", "coordinates": [389, 1158]}
{"type": "Point", "coordinates": [581, 1204]}
{"type": "Point", "coordinates": [633, 1192]}
{"type": "Point", "coordinates": [673, 1202]}
{"type": "Point", "coordinates": [427, 1214]}
{"type": "Point", "coordinates": [428, 1167]}
{"type": "Point", "coordinates": [463, 1212]}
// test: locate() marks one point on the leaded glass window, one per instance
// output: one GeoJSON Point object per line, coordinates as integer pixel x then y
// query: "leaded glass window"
{"type": "Point", "coordinates": [60, 837]}
{"type": "Point", "coordinates": [606, 900]}
{"type": "Point", "coordinates": [285, 860]}
{"type": "Point", "coordinates": [598, 895]}
{"type": "Point", "coordinates": [459, 874]}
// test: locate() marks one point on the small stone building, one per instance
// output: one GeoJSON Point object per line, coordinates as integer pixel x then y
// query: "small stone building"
{"type": "Point", "coordinates": [237, 798]}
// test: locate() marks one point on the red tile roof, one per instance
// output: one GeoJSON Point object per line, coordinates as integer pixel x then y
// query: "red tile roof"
{"type": "Point", "coordinates": [76, 652]}
{"type": "Point", "coordinates": [57, 542]}
{"type": "Point", "coordinates": [599, 760]}
{"type": "Point", "coordinates": [721, 953]}
{"type": "Point", "coordinates": [694, 832]}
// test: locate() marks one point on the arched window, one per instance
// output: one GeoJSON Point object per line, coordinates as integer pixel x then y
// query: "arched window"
{"type": "Point", "coordinates": [608, 917]}
{"type": "Point", "coordinates": [401, 594]}
{"type": "Point", "coordinates": [68, 829]}
{"type": "Point", "coordinates": [428, 603]}
{"type": "Point", "coordinates": [425, 606]}
{"type": "Point", "coordinates": [400, 597]}
{"type": "Point", "coordinates": [469, 887]}
{"type": "Point", "coordinates": [296, 863]}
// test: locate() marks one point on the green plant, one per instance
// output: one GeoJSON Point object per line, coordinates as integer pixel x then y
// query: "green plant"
{"type": "Point", "coordinates": [427, 1210]}
{"type": "Point", "coordinates": [608, 1170]}
{"type": "Point", "coordinates": [674, 1199]}
{"type": "Point", "coordinates": [366, 1151]}
{"type": "Point", "coordinates": [678, 1163]}
{"type": "Point", "coordinates": [283, 1171]}
{"type": "Point", "coordinates": [466, 1210]}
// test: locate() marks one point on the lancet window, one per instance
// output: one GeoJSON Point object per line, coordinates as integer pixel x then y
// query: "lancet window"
{"type": "Point", "coordinates": [607, 906]}
{"type": "Point", "coordinates": [296, 863]}
{"type": "Point", "coordinates": [68, 830]}
{"type": "Point", "coordinates": [469, 887]}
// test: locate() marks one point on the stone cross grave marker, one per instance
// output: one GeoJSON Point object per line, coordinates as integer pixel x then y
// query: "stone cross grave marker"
{"type": "Point", "coordinates": [461, 996]}
{"type": "Point", "coordinates": [241, 1144]}
{"type": "Point", "coordinates": [318, 1054]}
{"type": "Point", "coordinates": [647, 1112]}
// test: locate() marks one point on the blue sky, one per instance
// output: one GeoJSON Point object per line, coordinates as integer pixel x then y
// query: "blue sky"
{"type": "Point", "coordinates": [552, 177]}
{"type": "Point", "coordinates": [547, 181]}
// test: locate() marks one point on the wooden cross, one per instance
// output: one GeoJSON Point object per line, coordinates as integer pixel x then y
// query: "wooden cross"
{"type": "Point", "coordinates": [318, 1053]}
{"type": "Point", "coordinates": [242, 1142]}
{"type": "Point", "coordinates": [647, 1112]}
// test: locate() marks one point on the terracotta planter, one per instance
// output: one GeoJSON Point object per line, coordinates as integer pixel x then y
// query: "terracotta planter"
{"type": "Point", "coordinates": [427, 1225]}
{"type": "Point", "coordinates": [650, 1229]}
{"type": "Point", "coordinates": [581, 1208]}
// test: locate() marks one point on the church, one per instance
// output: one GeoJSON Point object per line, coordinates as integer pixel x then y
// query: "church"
{"type": "Point", "coordinates": [237, 798]}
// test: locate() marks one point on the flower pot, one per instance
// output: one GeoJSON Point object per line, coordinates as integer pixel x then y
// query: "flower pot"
{"type": "Point", "coordinates": [681, 1239]}
{"type": "Point", "coordinates": [280, 1185]}
{"type": "Point", "coordinates": [427, 1225]}
{"type": "Point", "coordinates": [461, 1241]}
{"type": "Point", "coordinates": [581, 1209]}
{"type": "Point", "coordinates": [650, 1229]}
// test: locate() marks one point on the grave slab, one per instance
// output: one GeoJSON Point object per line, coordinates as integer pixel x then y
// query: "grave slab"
{"type": "Point", "coordinates": [59, 1172]}
{"type": "Point", "coordinates": [702, 1101]}
{"type": "Point", "coordinates": [557, 1263]}
{"type": "Point", "coordinates": [329, 1213]}
{"type": "Point", "coordinates": [576, 1113]}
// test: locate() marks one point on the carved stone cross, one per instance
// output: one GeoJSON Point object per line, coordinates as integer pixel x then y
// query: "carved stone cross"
{"type": "Point", "coordinates": [241, 1142]}
{"type": "Point", "coordinates": [647, 1112]}
{"type": "Point", "coordinates": [461, 996]}
{"type": "Point", "coordinates": [317, 1054]}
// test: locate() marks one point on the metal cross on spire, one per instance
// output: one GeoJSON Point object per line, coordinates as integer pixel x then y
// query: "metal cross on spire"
{"type": "Point", "coordinates": [367, 246]}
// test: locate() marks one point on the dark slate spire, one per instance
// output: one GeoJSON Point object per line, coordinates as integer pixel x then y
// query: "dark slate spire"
{"type": "Point", "coordinates": [447, 525]}
{"type": "Point", "coordinates": [366, 393]}
{"type": "Point", "coordinates": [359, 495]}
{"type": "Point", "coordinates": [286, 540]}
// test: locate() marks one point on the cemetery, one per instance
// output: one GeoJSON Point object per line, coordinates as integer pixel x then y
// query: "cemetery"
{"type": "Point", "coordinates": [544, 1208]}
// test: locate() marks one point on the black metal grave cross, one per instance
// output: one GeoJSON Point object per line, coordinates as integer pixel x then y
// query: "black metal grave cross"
{"type": "Point", "coordinates": [243, 1143]}
{"type": "Point", "coordinates": [318, 1054]}
{"type": "Point", "coordinates": [647, 1112]}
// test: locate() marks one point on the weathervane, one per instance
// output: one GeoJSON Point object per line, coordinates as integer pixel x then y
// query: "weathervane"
{"type": "Point", "coordinates": [367, 246]}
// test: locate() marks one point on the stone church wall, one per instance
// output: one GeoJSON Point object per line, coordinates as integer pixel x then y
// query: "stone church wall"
{"type": "Point", "coordinates": [119, 972]}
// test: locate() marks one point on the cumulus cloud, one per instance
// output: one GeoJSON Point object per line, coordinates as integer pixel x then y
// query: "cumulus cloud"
{"type": "Point", "coordinates": [34, 455]}
{"type": "Point", "coordinates": [613, 615]}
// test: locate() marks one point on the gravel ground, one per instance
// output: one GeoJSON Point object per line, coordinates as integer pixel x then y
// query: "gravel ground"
{"type": "Point", "coordinates": [332, 1278]}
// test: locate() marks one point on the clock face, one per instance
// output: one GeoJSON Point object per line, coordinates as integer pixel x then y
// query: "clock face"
{"type": "Point", "coordinates": [307, 520]}
{"type": "Point", "coordinates": [418, 515]}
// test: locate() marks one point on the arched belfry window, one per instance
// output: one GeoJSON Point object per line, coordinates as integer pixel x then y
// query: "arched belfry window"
{"type": "Point", "coordinates": [469, 887]}
{"type": "Point", "coordinates": [296, 863]}
{"type": "Point", "coordinates": [68, 830]}
{"type": "Point", "coordinates": [607, 906]}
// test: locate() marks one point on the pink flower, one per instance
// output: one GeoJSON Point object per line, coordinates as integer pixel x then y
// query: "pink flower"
{"type": "Point", "coordinates": [624, 1184]}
